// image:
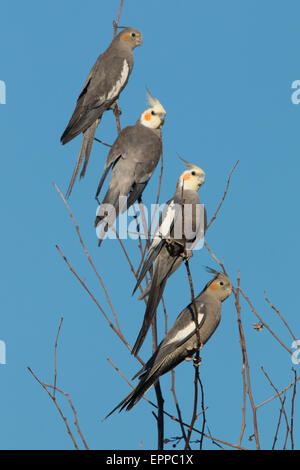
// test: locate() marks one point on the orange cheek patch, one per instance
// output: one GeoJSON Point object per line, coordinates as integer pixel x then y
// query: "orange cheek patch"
{"type": "Point", "coordinates": [126, 36]}
{"type": "Point", "coordinates": [214, 286]}
{"type": "Point", "coordinates": [186, 176]}
{"type": "Point", "coordinates": [147, 116]}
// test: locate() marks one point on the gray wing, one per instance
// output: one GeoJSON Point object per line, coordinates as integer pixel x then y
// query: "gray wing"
{"type": "Point", "coordinates": [188, 216]}
{"type": "Point", "coordinates": [166, 357]}
{"type": "Point", "coordinates": [165, 264]}
{"type": "Point", "coordinates": [165, 223]}
{"type": "Point", "coordinates": [171, 350]}
{"type": "Point", "coordinates": [130, 150]}
{"type": "Point", "coordinates": [105, 82]}
{"type": "Point", "coordinates": [183, 329]}
{"type": "Point", "coordinates": [140, 151]}
{"type": "Point", "coordinates": [118, 150]}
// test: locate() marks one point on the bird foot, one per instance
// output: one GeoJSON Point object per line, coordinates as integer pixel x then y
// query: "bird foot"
{"type": "Point", "coordinates": [197, 361]}
{"type": "Point", "coordinates": [187, 254]}
{"type": "Point", "coordinates": [115, 108]}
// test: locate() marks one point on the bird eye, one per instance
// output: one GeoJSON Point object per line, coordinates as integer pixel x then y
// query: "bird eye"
{"type": "Point", "coordinates": [221, 283]}
{"type": "Point", "coordinates": [133, 35]}
{"type": "Point", "coordinates": [193, 173]}
{"type": "Point", "coordinates": [153, 113]}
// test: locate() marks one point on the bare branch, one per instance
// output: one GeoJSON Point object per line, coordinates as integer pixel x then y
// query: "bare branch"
{"type": "Point", "coordinates": [119, 333]}
{"type": "Point", "coordinates": [53, 397]}
{"type": "Point", "coordinates": [223, 198]}
{"type": "Point", "coordinates": [277, 394]}
{"type": "Point", "coordinates": [88, 256]}
{"type": "Point", "coordinates": [280, 316]}
{"type": "Point", "coordinates": [55, 351]}
{"type": "Point", "coordinates": [116, 22]}
{"type": "Point", "coordinates": [293, 409]}
{"type": "Point", "coordinates": [196, 359]}
{"type": "Point", "coordinates": [282, 405]}
{"type": "Point", "coordinates": [278, 424]}
{"type": "Point", "coordinates": [57, 406]}
{"type": "Point", "coordinates": [263, 323]}
{"type": "Point", "coordinates": [246, 366]}
{"type": "Point", "coordinates": [173, 418]}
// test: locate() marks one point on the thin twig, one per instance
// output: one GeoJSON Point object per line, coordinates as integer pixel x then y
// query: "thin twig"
{"type": "Point", "coordinates": [116, 22]}
{"type": "Point", "coordinates": [277, 394]}
{"type": "Point", "coordinates": [117, 113]}
{"type": "Point", "coordinates": [178, 407]}
{"type": "Point", "coordinates": [67, 395]}
{"type": "Point", "coordinates": [158, 392]}
{"type": "Point", "coordinates": [88, 256]}
{"type": "Point", "coordinates": [157, 197]}
{"type": "Point", "coordinates": [53, 397]}
{"type": "Point", "coordinates": [245, 361]}
{"type": "Point", "coordinates": [282, 405]}
{"type": "Point", "coordinates": [224, 196]}
{"type": "Point", "coordinates": [173, 418]}
{"type": "Point", "coordinates": [101, 142]}
{"type": "Point", "coordinates": [278, 424]}
{"type": "Point", "coordinates": [197, 355]}
{"type": "Point", "coordinates": [265, 325]}
{"type": "Point", "coordinates": [215, 258]}
{"type": "Point", "coordinates": [203, 412]}
{"type": "Point", "coordinates": [281, 317]}
{"type": "Point", "coordinates": [128, 259]}
{"type": "Point", "coordinates": [57, 406]}
{"type": "Point", "coordinates": [244, 357]}
{"type": "Point", "coordinates": [55, 351]}
{"type": "Point", "coordinates": [119, 333]}
{"type": "Point", "coordinates": [293, 409]}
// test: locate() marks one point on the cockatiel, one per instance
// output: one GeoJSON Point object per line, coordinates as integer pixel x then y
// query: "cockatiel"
{"type": "Point", "coordinates": [182, 341]}
{"type": "Point", "coordinates": [183, 223]}
{"type": "Point", "coordinates": [102, 88]}
{"type": "Point", "coordinates": [133, 158]}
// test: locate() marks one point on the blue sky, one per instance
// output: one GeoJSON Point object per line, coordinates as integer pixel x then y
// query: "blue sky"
{"type": "Point", "coordinates": [223, 71]}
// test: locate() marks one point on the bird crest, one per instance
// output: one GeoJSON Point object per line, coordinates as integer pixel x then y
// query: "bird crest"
{"type": "Point", "coordinates": [212, 271]}
{"type": "Point", "coordinates": [155, 104]}
{"type": "Point", "coordinates": [190, 166]}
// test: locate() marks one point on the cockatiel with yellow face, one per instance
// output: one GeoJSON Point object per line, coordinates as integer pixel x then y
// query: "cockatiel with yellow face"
{"type": "Point", "coordinates": [133, 158]}
{"type": "Point", "coordinates": [102, 88]}
{"type": "Point", "coordinates": [182, 340]}
{"type": "Point", "coordinates": [182, 225]}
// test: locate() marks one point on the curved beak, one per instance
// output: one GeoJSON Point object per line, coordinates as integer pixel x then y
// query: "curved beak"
{"type": "Point", "coordinates": [202, 179]}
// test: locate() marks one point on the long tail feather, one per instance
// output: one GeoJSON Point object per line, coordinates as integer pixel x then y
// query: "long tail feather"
{"type": "Point", "coordinates": [134, 397]}
{"type": "Point", "coordinates": [155, 295]}
{"type": "Point", "coordinates": [84, 153]}
{"type": "Point", "coordinates": [152, 254]}
{"type": "Point", "coordinates": [102, 181]}
{"type": "Point", "coordinates": [89, 135]}
{"type": "Point", "coordinates": [135, 193]}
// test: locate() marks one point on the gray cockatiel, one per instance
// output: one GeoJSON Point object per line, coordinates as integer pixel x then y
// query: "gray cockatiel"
{"type": "Point", "coordinates": [182, 341]}
{"type": "Point", "coordinates": [102, 88]}
{"type": "Point", "coordinates": [133, 158]}
{"type": "Point", "coordinates": [183, 223]}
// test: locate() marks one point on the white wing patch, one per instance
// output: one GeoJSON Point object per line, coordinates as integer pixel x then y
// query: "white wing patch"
{"type": "Point", "coordinates": [181, 335]}
{"type": "Point", "coordinates": [163, 230]}
{"type": "Point", "coordinates": [120, 83]}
